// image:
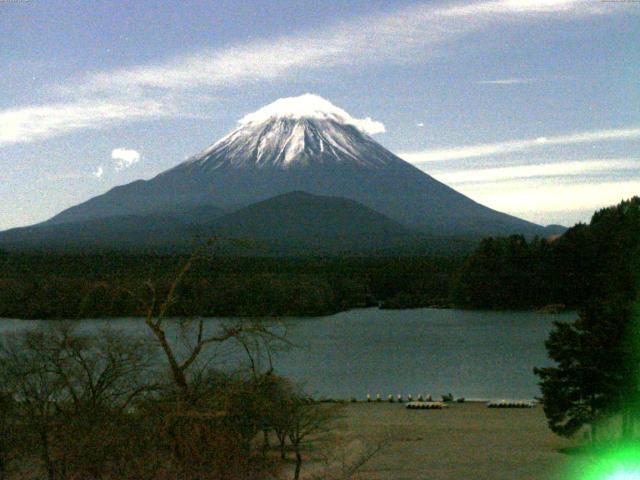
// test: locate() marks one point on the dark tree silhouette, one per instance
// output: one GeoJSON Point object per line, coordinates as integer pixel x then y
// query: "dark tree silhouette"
{"type": "Point", "coordinates": [596, 372]}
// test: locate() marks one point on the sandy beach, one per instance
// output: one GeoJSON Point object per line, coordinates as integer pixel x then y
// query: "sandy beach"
{"type": "Point", "coordinates": [464, 441]}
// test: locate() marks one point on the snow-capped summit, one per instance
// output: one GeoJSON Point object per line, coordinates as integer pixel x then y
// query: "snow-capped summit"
{"type": "Point", "coordinates": [297, 131]}
{"type": "Point", "coordinates": [310, 106]}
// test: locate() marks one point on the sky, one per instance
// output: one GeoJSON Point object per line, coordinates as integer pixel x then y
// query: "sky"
{"type": "Point", "coordinates": [529, 107]}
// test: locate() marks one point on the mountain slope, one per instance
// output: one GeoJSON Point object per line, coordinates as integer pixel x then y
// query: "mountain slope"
{"type": "Point", "coordinates": [117, 232]}
{"type": "Point", "coordinates": [303, 144]}
{"type": "Point", "coordinates": [325, 157]}
{"type": "Point", "coordinates": [292, 223]}
{"type": "Point", "coordinates": [299, 217]}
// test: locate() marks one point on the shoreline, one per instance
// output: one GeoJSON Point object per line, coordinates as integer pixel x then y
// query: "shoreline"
{"type": "Point", "coordinates": [467, 440]}
{"type": "Point", "coordinates": [427, 351]}
{"type": "Point", "coordinates": [540, 311]}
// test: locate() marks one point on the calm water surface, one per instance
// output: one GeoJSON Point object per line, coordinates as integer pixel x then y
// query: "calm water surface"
{"type": "Point", "coordinates": [486, 355]}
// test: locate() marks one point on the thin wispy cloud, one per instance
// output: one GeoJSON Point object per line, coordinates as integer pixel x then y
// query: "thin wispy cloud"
{"type": "Point", "coordinates": [506, 81]}
{"type": "Point", "coordinates": [169, 88]}
{"type": "Point", "coordinates": [98, 172]}
{"type": "Point", "coordinates": [32, 123]}
{"type": "Point", "coordinates": [543, 197]}
{"type": "Point", "coordinates": [513, 146]}
{"type": "Point", "coordinates": [564, 169]}
{"type": "Point", "coordinates": [537, 190]}
{"type": "Point", "coordinates": [502, 7]}
{"type": "Point", "coordinates": [396, 37]}
{"type": "Point", "coordinates": [549, 191]}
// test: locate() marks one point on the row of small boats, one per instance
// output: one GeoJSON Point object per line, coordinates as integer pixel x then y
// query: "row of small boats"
{"type": "Point", "coordinates": [426, 402]}
{"type": "Point", "coordinates": [420, 398]}
{"type": "Point", "coordinates": [422, 405]}
{"type": "Point", "coordinates": [426, 405]}
{"type": "Point", "coordinates": [511, 404]}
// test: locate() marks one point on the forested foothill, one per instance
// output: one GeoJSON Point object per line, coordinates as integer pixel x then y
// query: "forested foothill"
{"type": "Point", "coordinates": [561, 272]}
{"type": "Point", "coordinates": [567, 271]}
{"type": "Point", "coordinates": [40, 285]}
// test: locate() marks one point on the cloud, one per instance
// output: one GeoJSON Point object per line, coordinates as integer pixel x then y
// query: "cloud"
{"type": "Point", "coordinates": [124, 157]}
{"type": "Point", "coordinates": [502, 7]}
{"type": "Point", "coordinates": [506, 81]}
{"type": "Point", "coordinates": [546, 197]}
{"type": "Point", "coordinates": [563, 169]}
{"type": "Point", "coordinates": [397, 37]}
{"type": "Point", "coordinates": [525, 190]}
{"type": "Point", "coordinates": [501, 148]}
{"type": "Point", "coordinates": [578, 187]}
{"type": "Point", "coordinates": [420, 124]}
{"type": "Point", "coordinates": [176, 86]}
{"type": "Point", "coordinates": [311, 106]}
{"type": "Point", "coordinates": [367, 125]}
{"type": "Point", "coordinates": [98, 172]}
{"type": "Point", "coordinates": [28, 124]}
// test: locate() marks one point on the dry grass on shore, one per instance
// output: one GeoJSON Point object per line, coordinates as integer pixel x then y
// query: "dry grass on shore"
{"type": "Point", "coordinates": [465, 441]}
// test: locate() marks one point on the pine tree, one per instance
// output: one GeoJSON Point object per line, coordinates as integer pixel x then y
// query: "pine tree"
{"type": "Point", "coordinates": [596, 372]}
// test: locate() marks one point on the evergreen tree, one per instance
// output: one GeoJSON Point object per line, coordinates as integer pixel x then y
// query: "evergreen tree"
{"type": "Point", "coordinates": [596, 372]}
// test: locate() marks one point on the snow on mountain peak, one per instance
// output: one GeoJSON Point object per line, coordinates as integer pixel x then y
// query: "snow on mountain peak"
{"type": "Point", "coordinates": [310, 106]}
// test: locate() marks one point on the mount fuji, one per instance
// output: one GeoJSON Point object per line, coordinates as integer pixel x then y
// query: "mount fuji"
{"type": "Point", "coordinates": [299, 144]}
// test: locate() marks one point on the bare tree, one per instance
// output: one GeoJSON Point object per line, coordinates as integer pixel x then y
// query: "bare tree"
{"type": "Point", "coordinates": [107, 370]}
{"type": "Point", "coordinates": [308, 421]}
{"type": "Point", "coordinates": [71, 390]}
{"type": "Point", "coordinates": [203, 423]}
{"type": "Point", "coordinates": [193, 330]}
{"type": "Point", "coordinates": [7, 435]}
{"type": "Point", "coordinates": [37, 390]}
{"type": "Point", "coordinates": [259, 349]}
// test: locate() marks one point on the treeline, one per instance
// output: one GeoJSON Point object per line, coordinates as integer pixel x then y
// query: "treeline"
{"type": "Point", "coordinates": [586, 262]}
{"type": "Point", "coordinates": [40, 285]}
{"type": "Point", "coordinates": [502, 273]}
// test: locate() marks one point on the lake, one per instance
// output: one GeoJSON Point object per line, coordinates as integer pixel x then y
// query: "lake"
{"type": "Point", "coordinates": [475, 354]}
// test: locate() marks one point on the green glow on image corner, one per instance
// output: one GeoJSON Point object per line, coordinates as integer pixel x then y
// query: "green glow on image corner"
{"type": "Point", "coordinates": [620, 463]}
{"type": "Point", "coordinates": [624, 475]}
